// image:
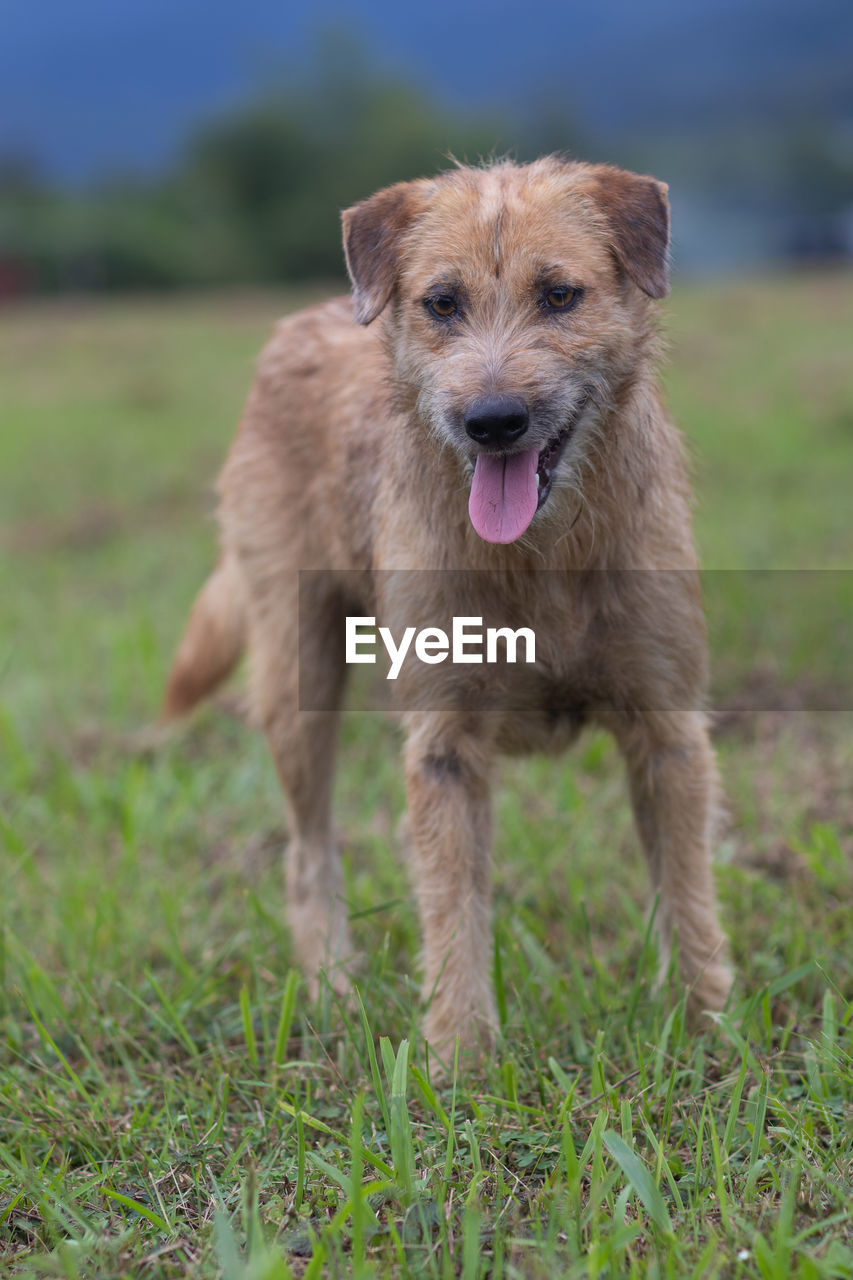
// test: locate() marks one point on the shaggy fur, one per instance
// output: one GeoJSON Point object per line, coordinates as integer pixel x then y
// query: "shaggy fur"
{"type": "Point", "coordinates": [352, 458]}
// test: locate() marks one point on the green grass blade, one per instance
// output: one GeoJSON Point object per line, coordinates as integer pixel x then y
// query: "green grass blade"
{"type": "Point", "coordinates": [141, 1209]}
{"type": "Point", "coordinates": [285, 1020]}
{"type": "Point", "coordinates": [248, 1029]}
{"type": "Point", "coordinates": [640, 1179]}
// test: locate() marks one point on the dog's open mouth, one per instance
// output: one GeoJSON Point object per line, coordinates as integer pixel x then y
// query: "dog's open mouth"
{"type": "Point", "coordinates": [508, 489]}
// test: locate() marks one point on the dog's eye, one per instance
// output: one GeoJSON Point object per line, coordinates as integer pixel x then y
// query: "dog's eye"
{"type": "Point", "coordinates": [443, 306]}
{"type": "Point", "coordinates": [560, 298]}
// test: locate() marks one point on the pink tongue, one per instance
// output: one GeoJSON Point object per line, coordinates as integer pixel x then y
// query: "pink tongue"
{"type": "Point", "coordinates": [504, 495]}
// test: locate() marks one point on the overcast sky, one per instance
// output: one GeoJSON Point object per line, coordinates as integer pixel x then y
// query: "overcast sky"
{"type": "Point", "coordinates": [88, 86]}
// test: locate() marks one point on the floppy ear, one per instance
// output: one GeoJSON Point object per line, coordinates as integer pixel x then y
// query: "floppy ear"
{"type": "Point", "coordinates": [637, 211]}
{"type": "Point", "coordinates": [373, 230]}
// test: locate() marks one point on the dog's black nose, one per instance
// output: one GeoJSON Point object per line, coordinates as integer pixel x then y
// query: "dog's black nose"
{"type": "Point", "coordinates": [496, 420]}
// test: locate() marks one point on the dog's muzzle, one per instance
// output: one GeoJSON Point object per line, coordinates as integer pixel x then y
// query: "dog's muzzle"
{"type": "Point", "coordinates": [508, 488]}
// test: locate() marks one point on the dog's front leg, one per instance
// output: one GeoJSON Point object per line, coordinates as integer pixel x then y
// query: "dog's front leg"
{"type": "Point", "coordinates": [674, 791]}
{"type": "Point", "coordinates": [447, 787]}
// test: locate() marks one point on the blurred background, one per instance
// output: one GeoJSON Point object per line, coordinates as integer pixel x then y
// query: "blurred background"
{"type": "Point", "coordinates": [154, 145]}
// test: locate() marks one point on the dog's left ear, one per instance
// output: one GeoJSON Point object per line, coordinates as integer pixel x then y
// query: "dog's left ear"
{"type": "Point", "coordinates": [637, 212]}
{"type": "Point", "coordinates": [373, 233]}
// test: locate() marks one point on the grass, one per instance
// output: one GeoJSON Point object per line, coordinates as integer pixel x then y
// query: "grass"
{"type": "Point", "coordinates": [171, 1104]}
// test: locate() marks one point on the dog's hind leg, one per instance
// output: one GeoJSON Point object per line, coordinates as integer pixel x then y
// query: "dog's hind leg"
{"type": "Point", "coordinates": [674, 792]}
{"type": "Point", "coordinates": [302, 740]}
{"type": "Point", "coordinates": [447, 789]}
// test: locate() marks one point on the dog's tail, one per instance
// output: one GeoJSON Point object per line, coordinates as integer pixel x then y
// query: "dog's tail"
{"type": "Point", "coordinates": [212, 644]}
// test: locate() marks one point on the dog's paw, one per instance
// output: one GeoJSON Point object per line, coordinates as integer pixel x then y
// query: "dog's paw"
{"type": "Point", "coordinates": [469, 1042]}
{"type": "Point", "coordinates": [709, 993]}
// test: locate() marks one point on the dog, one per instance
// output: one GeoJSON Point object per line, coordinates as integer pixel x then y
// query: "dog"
{"type": "Point", "coordinates": [477, 431]}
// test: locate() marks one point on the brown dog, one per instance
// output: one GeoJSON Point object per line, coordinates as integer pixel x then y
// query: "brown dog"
{"type": "Point", "coordinates": [498, 432]}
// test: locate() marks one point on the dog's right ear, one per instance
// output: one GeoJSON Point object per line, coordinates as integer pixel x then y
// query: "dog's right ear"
{"type": "Point", "coordinates": [373, 231]}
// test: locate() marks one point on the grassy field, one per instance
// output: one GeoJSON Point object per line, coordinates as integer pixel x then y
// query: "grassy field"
{"type": "Point", "coordinates": [171, 1104]}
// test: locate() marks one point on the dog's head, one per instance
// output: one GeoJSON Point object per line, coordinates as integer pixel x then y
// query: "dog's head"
{"type": "Point", "coordinates": [517, 304]}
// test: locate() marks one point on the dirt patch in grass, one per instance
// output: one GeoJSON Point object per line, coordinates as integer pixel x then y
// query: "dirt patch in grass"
{"type": "Point", "coordinates": [762, 694]}
{"type": "Point", "coordinates": [97, 524]}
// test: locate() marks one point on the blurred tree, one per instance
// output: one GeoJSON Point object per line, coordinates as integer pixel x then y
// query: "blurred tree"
{"type": "Point", "coordinates": [269, 183]}
{"type": "Point", "coordinates": [255, 197]}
